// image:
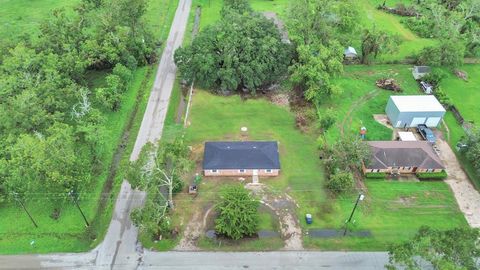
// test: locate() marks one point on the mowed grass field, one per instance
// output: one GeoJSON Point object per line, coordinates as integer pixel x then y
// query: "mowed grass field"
{"type": "Point", "coordinates": [392, 212]}
{"type": "Point", "coordinates": [68, 234]}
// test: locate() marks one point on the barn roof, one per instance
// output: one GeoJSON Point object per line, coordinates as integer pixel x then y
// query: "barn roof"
{"type": "Point", "coordinates": [403, 154]}
{"type": "Point", "coordinates": [418, 103]}
{"type": "Point", "coordinates": [241, 155]}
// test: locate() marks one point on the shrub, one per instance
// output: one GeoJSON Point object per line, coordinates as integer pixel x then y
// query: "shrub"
{"type": "Point", "coordinates": [442, 97]}
{"type": "Point", "coordinates": [237, 213]}
{"type": "Point", "coordinates": [341, 182]}
{"type": "Point", "coordinates": [375, 175]}
{"type": "Point", "coordinates": [432, 175]}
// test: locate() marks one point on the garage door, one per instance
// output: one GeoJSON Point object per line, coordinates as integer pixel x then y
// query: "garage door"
{"type": "Point", "coordinates": [418, 120]}
{"type": "Point", "coordinates": [433, 121]}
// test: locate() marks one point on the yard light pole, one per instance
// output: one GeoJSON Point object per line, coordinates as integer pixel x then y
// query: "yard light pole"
{"type": "Point", "coordinates": [74, 196]}
{"type": "Point", "coordinates": [15, 194]}
{"type": "Point", "coordinates": [360, 198]}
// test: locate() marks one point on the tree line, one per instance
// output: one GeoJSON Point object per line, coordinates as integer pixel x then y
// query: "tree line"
{"type": "Point", "coordinates": [52, 123]}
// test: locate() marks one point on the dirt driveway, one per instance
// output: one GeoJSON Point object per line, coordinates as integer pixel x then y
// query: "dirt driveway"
{"type": "Point", "coordinates": [467, 196]}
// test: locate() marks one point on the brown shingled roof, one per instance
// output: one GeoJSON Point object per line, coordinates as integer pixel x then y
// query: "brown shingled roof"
{"type": "Point", "coordinates": [403, 154]}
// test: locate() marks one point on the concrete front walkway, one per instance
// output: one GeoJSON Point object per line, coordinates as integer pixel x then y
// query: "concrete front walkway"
{"type": "Point", "coordinates": [468, 198]}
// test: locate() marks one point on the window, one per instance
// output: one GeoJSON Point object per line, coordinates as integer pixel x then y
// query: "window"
{"type": "Point", "coordinates": [268, 170]}
{"type": "Point", "coordinates": [408, 168]}
{"type": "Point", "coordinates": [214, 171]}
{"type": "Point", "coordinates": [241, 170]}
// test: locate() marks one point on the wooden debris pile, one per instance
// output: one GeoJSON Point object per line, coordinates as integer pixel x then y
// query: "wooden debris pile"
{"type": "Point", "coordinates": [388, 84]}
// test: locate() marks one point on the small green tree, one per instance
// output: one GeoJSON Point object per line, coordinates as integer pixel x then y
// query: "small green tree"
{"type": "Point", "coordinates": [448, 53]}
{"type": "Point", "coordinates": [348, 154]}
{"type": "Point", "coordinates": [341, 182]}
{"type": "Point", "coordinates": [376, 42]}
{"type": "Point", "coordinates": [237, 213]}
{"type": "Point", "coordinates": [472, 151]}
{"type": "Point", "coordinates": [314, 69]}
{"type": "Point", "coordinates": [327, 119]}
{"type": "Point", "coordinates": [455, 249]}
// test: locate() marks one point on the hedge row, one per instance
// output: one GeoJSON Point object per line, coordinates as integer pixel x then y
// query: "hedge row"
{"type": "Point", "coordinates": [375, 175]}
{"type": "Point", "coordinates": [432, 175]}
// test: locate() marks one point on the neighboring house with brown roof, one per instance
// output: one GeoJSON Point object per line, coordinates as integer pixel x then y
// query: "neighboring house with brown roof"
{"type": "Point", "coordinates": [403, 157]}
{"type": "Point", "coordinates": [249, 158]}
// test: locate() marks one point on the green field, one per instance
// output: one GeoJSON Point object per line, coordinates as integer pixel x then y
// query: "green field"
{"type": "Point", "coordinates": [19, 17]}
{"type": "Point", "coordinates": [220, 118]}
{"type": "Point", "coordinates": [458, 89]}
{"type": "Point", "coordinates": [392, 211]}
{"type": "Point", "coordinates": [361, 98]}
{"type": "Point", "coordinates": [68, 234]}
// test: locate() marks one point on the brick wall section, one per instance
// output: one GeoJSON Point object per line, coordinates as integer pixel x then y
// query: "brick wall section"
{"type": "Point", "coordinates": [400, 170]}
{"type": "Point", "coordinates": [261, 172]}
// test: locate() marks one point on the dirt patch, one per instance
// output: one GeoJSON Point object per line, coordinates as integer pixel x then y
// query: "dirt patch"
{"type": "Point", "coordinates": [280, 99]}
{"type": "Point", "coordinates": [383, 120]}
{"type": "Point", "coordinates": [192, 233]}
{"type": "Point", "coordinates": [404, 200]}
{"type": "Point", "coordinates": [284, 208]}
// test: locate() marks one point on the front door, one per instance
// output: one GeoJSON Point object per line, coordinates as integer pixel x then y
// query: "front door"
{"type": "Point", "coordinates": [255, 177]}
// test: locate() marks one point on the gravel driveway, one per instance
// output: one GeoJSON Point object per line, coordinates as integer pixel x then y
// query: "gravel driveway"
{"type": "Point", "coordinates": [467, 196]}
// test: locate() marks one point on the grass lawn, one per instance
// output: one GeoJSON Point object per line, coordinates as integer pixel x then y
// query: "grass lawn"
{"type": "Point", "coordinates": [392, 211]}
{"type": "Point", "coordinates": [220, 118]}
{"type": "Point", "coordinates": [361, 98]}
{"type": "Point", "coordinates": [457, 90]}
{"type": "Point", "coordinates": [68, 232]}
{"type": "Point", "coordinates": [19, 17]}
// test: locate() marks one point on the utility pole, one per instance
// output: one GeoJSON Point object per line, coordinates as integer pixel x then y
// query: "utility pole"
{"type": "Point", "coordinates": [74, 198]}
{"type": "Point", "coordinates": [25, 209]}
{"type": "Point", "coordinates": [360, 198]}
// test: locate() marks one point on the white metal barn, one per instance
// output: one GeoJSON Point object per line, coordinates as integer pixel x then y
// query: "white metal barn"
{"type": "Point", "coordinates": [410, 111]}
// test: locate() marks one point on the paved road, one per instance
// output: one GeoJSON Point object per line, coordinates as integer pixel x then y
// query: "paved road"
{"type": "Point", "coordinates": [265, 260]}
{"type": "Point", "coordinates": [211, 261]}
{"type": "Point", "coordinates": [120, 246]}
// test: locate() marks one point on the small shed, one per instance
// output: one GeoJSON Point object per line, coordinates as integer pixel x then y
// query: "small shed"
{"type": "Point", "coordinates": [406, 136]}
{"type": "Point", "coordinates": [350, 53]}
{"type": "Point", "coordinates": [419, 72]}
{"type": "Point", "coordinates": [410, 111]}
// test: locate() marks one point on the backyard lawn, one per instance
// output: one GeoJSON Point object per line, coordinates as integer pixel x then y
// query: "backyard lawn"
{"type": "Point", "coordinates": [361, 98]}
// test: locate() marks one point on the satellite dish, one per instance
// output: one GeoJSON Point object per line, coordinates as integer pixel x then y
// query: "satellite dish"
{"type": "Point", "coordinates": [244, 129]}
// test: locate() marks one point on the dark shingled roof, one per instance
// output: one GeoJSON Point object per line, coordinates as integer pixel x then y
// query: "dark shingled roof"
{"type": "Point", "coordinates": [403, 154]}
{"type": "Point", "coordinates": [241, 155]}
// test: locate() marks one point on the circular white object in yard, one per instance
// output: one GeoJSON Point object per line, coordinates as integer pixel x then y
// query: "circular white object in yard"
{"type": "Point", "coordinates": [244, 129]}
